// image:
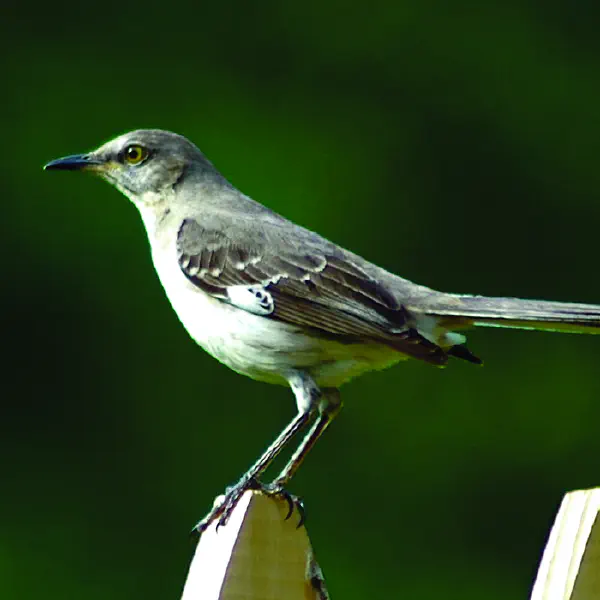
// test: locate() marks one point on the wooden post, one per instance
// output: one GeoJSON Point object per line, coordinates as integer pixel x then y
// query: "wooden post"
{"type": "Point", "coordinates": [570, 566]}
{"type": "Point", "coordinates": [258, 555]}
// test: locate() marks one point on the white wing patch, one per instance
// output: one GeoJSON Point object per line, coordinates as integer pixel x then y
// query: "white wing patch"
{"type": "Point", "coordinates": [253, 299]}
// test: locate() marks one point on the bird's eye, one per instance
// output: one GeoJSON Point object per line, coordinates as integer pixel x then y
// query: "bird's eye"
{"type": "Point", "coordinates": [134, 155]}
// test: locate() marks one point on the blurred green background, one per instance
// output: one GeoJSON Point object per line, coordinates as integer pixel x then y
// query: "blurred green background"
{"type": "Point", "coordinates": [456, 144]}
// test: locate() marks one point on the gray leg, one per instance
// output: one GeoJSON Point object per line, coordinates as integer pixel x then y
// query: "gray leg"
{"type": "Point", "coordinates": [308, 398]}
{"type": "Point", "coordinates": [329, 406]}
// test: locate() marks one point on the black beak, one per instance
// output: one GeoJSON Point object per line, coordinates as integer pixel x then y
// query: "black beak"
{"type": "Point", "coordinates": [75, 162]}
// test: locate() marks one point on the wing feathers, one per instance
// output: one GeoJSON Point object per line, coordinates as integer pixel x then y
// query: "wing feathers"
{"type": "Point", "coordinates": [325, 292]}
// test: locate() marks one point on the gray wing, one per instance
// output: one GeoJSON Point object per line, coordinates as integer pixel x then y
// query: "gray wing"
{"type": "Point", "coordinates": [324, 291]}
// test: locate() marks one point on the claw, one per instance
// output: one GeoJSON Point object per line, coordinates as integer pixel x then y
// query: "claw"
{"type": "Point", "coordinates": [302, 512]}
{"type": "Point", "coordinates": [288, 498]}
{"type": "Point", "coordinates": [293, 502]}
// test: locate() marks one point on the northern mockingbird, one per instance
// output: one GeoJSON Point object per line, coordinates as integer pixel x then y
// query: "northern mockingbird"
{"type": "Point", "coordinates": [281, 304]}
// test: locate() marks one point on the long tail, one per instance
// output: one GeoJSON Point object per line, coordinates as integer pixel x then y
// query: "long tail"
{"type": "Point", "coordinates": [514, 313]}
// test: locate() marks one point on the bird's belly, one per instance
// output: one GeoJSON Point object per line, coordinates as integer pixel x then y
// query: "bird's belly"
{"type": "Point", "coordinates": [261, 347]}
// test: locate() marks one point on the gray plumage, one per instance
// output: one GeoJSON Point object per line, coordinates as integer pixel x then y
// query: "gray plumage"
{"type": "Point", "coordinates": [281, 304]}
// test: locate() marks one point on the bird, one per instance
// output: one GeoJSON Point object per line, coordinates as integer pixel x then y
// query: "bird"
{"type": "Point", "coordinates": [281, 304]}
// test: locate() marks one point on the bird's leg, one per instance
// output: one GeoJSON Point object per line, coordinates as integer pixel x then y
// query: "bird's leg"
{"type": "Point", "coordinates": [329, 406]}
{"type": "Point", "coordinates": [307, 399]}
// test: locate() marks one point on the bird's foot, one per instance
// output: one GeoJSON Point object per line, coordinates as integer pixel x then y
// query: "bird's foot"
{"type": "Point", "coordinates": [225, 504]}
{"type": "Point", "coordinates": [293, 502]}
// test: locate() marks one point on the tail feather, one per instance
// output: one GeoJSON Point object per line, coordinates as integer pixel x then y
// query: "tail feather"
{"type": "Point", "coordinates": [515, 313]}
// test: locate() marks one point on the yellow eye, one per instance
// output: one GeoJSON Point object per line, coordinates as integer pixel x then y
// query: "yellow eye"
{"type": "Point", "coordinates": [134, 155]}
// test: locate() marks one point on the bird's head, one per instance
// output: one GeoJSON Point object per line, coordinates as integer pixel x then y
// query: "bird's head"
{"type": "Point", "coordinates": [145, 164]}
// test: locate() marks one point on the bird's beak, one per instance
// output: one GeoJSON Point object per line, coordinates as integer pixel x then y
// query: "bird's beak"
{"type": "Point", "coordinates": [76, 162]}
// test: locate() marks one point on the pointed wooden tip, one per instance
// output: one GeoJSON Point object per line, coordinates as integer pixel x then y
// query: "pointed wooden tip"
{"type": "Point", "coordinates": [258, 555]}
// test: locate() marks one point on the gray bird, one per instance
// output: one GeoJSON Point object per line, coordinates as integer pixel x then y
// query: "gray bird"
{"type": "Point", "coordinates": [281, 304]}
